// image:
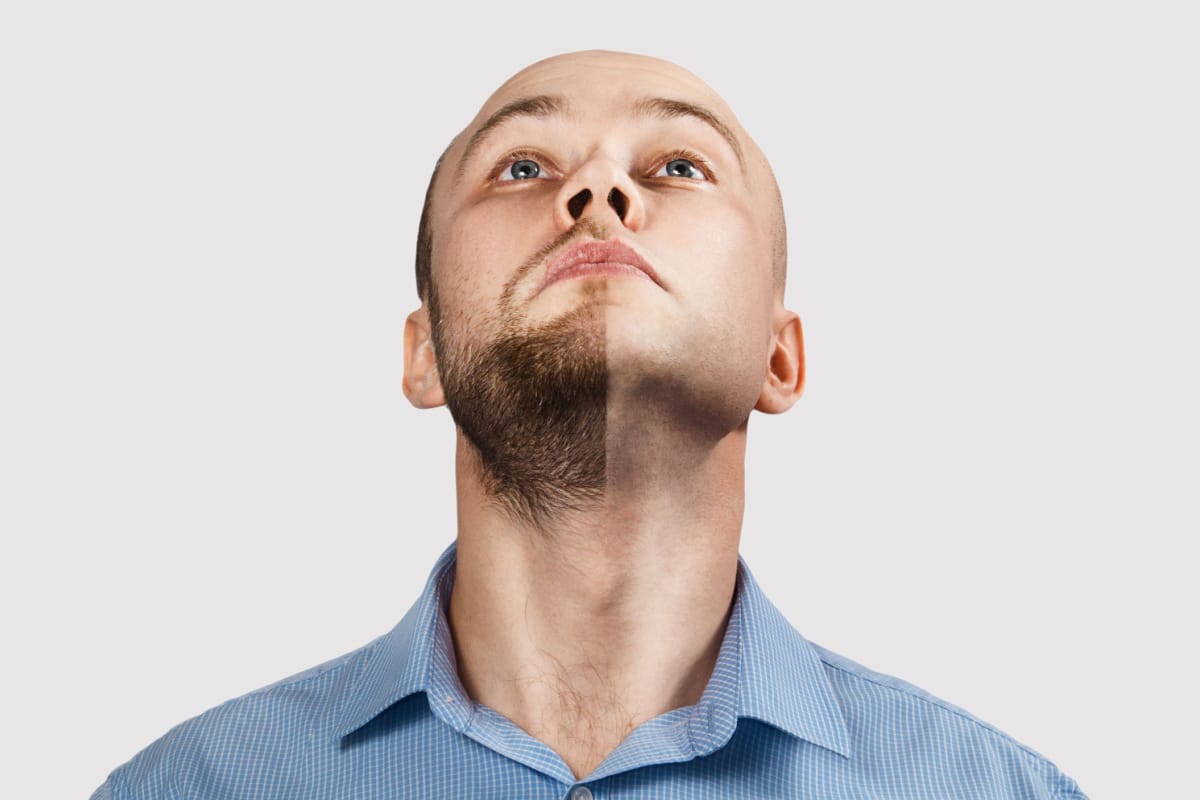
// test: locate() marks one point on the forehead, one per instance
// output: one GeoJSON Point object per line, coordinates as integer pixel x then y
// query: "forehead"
{"type": "Point", "coordinates": [598, 86]}
{"type": "Point", "coordinates": [601, 77]}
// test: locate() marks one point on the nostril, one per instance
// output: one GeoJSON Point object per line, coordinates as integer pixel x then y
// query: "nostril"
{"type": "Point", "coordinates": [576, 204]}
{"type": "Point", "coordinates": [619, 202]}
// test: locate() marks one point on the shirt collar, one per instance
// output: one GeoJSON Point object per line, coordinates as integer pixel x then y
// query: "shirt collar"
{"type": "Point", "coordinates": [780, 678]}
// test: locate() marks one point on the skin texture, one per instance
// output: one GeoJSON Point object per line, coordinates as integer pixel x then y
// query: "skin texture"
{"type": "Point", "coordinates": [601, 421]}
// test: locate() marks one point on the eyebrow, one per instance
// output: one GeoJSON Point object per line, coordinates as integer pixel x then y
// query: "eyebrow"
{"type": "Point", "coordinates": [544, 105]}
{"type": "Point", "coordinates": [665, 108]}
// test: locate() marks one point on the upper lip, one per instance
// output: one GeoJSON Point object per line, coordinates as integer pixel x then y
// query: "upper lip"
{"type": "Point", "coordinates": [597, 251]}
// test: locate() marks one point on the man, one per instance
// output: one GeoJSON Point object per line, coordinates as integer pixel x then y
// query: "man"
{"type": "Point", "coordinates": [601, 266]}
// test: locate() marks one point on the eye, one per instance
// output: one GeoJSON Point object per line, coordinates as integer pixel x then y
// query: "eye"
{"type": "Point", "coordinates": [680, 167]}
{"type": "Point", "coordinates": [522, 169]}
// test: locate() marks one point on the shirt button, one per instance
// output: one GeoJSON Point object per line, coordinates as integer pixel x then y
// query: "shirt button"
{"type": "Point", "coordinates": [580, 793]}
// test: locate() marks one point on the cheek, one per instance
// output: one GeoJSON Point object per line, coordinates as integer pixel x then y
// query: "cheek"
{"type": "Point", "coordinates": [476, 251]}
{"type": "Point", "coordinates": [718, 257]}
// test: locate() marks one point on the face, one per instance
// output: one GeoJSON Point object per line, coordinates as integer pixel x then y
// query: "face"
{"type": "Point", "coordinates": [605, 147]}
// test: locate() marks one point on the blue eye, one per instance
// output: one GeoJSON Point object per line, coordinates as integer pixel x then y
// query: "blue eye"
{"type": "Point", "coordinates": [681, 168]}
{"type": "Point", "coordinates": [520, 170]}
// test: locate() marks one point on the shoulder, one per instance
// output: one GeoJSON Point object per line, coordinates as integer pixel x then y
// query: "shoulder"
{"type": "Point", "coordinates": [891, 718]}
{"type": "Point", "coordinates": [253, 742]}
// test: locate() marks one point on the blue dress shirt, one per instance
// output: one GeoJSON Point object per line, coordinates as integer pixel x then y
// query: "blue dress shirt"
{"type": "Point", "coordinates": [780, 717]}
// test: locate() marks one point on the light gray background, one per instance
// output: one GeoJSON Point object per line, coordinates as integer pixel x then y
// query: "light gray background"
{"type": "Point", "coordinates": [212, 480]}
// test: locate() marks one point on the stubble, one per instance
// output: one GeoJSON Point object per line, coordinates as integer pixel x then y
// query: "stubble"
{"type": "Point", "coordinates": [532, 402]}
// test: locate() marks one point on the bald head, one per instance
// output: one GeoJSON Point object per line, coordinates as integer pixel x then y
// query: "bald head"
{"type": "Point", "coordinates": [604, 65]}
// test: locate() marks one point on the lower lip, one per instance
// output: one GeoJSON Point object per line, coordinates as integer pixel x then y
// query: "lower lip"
{"type": "Point", "coordinates": [604, 269]}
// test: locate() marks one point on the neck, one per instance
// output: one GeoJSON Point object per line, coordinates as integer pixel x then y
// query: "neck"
{"type": "Point", "coordinates": [585, 625]}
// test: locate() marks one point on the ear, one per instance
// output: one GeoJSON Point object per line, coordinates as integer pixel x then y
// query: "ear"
{"type": "Point", "coordinates": [785, 366]}
{"type": "Point", "coordinates": [422, 384]}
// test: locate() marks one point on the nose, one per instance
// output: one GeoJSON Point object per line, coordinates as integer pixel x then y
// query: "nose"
{"type": "Point", "coordinates": [600, 178]}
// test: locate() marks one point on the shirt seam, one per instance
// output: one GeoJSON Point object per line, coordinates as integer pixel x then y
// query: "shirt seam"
{"type": "Point", "coordinates": [943, 705]}
{"type": "Point", "coordinates": [285, 683]}
{"type": "Point", "coordinates": [305, 677]}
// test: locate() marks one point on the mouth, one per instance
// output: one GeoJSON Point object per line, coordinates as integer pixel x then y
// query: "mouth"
{"type": "Point", "coordinates": [593, 258]}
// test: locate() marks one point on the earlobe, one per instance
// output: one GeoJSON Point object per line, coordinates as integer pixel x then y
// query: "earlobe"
{"type": "Point", "coordinates": [784, 382]}
{"type": "Point", "coordinates": [422, 384]}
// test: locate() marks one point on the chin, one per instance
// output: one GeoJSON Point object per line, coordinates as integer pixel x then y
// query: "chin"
{"type": "Point", "coordinates": [586, 310]}
{"type": "Point", "coordinates": [637, 354]}
{"type": "Point", "coordinates": [646, 320]}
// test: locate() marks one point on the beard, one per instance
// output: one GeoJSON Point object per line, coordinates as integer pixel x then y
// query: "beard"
{"type": "Point", "coordinates": [532, 403]}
